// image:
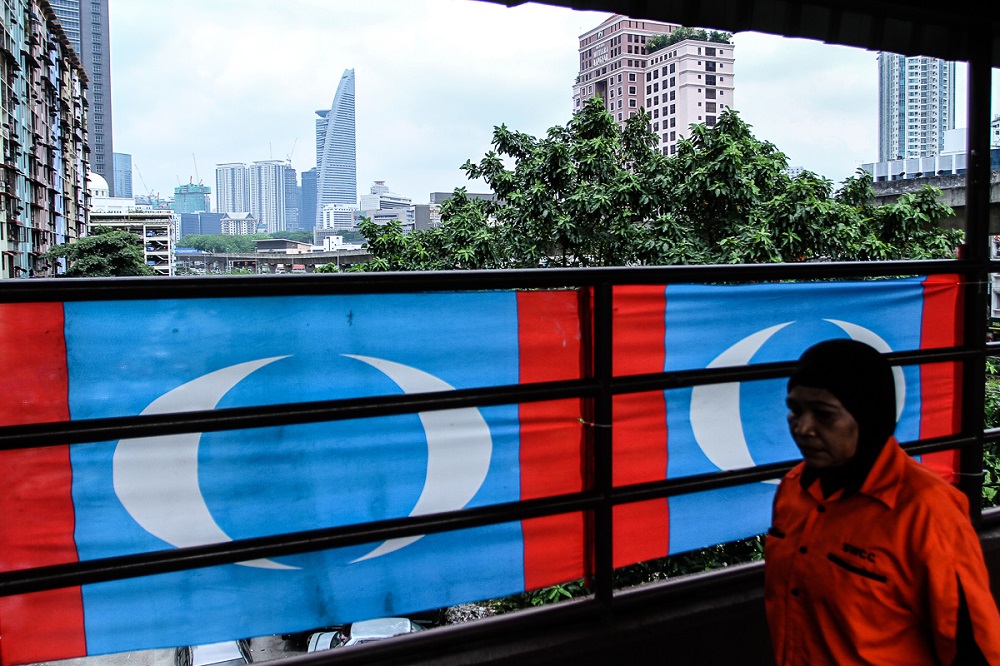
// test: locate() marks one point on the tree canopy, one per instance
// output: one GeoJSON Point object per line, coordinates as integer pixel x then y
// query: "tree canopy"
{"type": "Point", "coordinates": [222, 243]}
{"type": "Point", "coordinates": [105, 252]}
{"type": "Point", "coordinates": [680, 34]}
{"type": "Point", "coordinates": [592, 194]}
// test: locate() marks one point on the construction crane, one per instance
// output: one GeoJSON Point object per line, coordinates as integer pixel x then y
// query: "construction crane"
{"type": "Point", "coordinates": [139, 173]}
{"type": "Point", "coordinates": [193, 159]}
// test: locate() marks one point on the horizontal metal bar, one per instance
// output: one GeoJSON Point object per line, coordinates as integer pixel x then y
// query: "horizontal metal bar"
{"type": "Point", "coordinates": [761, 371]}
{"type": "Point", "coordinates": [263, 416]}
{"type": "Point", "coordinates": [145, 564]}
{"type": "Point", "coordinates": [146, 288]}
{"type": "Point", "coordinates": [641, 492]}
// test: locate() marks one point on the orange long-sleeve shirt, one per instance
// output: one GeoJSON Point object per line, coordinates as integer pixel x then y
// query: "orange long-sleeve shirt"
{"type": "Point", "coordinates": [876, 577]}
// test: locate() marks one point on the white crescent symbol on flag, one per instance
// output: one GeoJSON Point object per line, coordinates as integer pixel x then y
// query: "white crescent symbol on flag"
{"type": "Point", "coordinates": [459, 449]}
{"type": "Point", "coordinates": [715, 408]}
{"type": "Point", "coordinates": [156, 478]}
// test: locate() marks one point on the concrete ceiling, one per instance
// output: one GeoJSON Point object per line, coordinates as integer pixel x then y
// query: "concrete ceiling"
{"type": "Point", "coordinates": [950, 29]}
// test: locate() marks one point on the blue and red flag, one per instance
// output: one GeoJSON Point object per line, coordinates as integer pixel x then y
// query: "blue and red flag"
{"type": "Point", "coordinates": [86, 360]}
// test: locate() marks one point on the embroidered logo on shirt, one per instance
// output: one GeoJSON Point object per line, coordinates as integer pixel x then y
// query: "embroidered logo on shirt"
{"type": "Point", "coordinates": [866, 555]}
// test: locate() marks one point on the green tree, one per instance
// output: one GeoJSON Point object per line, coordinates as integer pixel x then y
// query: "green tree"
{"type": "Point", "coordinates": [104, 252]}
{"type": "Point", "coordinates": [680, 34]}
{"type": "Point", "coordinates": [991, 452]}
{"type": "Point", "coordinates": [592, 194]}
{"type": "Point", "coordinates": [223, 243]}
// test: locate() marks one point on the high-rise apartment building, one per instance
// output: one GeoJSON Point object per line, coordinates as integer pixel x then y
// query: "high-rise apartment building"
{"type": "Point", "coordinates": [85, 24]}
{"type": "Point", "coordinates": [686, 82]}
{"type": "Point", "coordinates": [267, 193]}
{"type": "Point", "coordinates": [43, 140]}
{"type": "Point", "coordinates": [916, 105]}
{"type": "Point", "coordinates": [232, 188]}
{"type": "Point", "coordinates": [123, 175]}
{"type": "Point", "coordinates": [336, 150]}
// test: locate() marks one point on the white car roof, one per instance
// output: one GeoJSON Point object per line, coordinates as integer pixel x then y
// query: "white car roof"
{"type": "Point", "coordinates": [383, 627]}
{"type": "Point", "coordinates": [322, 640]}
{"type": "Point", "coordinates": [215, 653]}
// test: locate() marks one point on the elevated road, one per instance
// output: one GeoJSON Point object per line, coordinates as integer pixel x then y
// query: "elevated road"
{"type": "Point", "coordinates": [267, 262]}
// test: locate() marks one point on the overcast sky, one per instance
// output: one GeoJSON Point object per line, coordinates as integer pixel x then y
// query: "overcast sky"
{"type": "Point", "coordinates": [196, 83]}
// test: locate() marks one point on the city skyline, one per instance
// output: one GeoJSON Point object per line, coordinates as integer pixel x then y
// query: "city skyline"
{"type": "Point", "coordinates": [433, 79]}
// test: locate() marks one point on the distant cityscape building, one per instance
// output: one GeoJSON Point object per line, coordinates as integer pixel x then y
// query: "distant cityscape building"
{"type": "Point", "coordinates": [154, 227]}
{"type": "Point", "coordinates": [995, 132]}
{"type": "Point", "coordinates": [690, 81]}
{"type": "Point", "coordinates": [441, 197]}
{"type": "Point", "coordinates": [192, 198]}
{"type": "Point", "coordinates": [267, 193]}
{"type": "Point", "coordinates": [293, 197]}
{"type": "Point", "coordinates": [196, 224]}
{"type": "Point", "coordinates": [381, 198]}
{"type": "Point", "coordinates": [152, 200]}
{"type": "Point", "coordinates": [232, 188]}
{"type": "Point", "coordinates": [308, 217]}
{"type": "Point", "coordinates": [336, 150]}
{"type": "Point", "coordinates": [43, 141]}
{"type": "Point", "coordinates": [123, 175]}
{"type": "Point", "coordinates": [950, 161]}
{"type": "Point", "coordinates": [86, 26]}
{"type": "Point", "coordinates": [239, 224]}
{"type": "Point", "coordinates": [916, 105]}
{"type": "Point", "coordinates": [426, 216]}
{"type": "Point", "coordinates": [340, 217]}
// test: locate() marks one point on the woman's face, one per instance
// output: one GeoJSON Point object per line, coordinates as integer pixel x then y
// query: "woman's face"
{"type": "Point", "coordinates": [824, 431]}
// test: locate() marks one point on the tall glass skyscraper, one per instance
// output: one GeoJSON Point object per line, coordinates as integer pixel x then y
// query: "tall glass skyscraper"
{"type": "Point", "coordinates": [123, 175]}
{"type": "Point", "coordinates": [85, 23]}
{"type": "Point", "coordinates": [307, 213]}
{"type": "Point", "coordinates": [336, 150]}
{"type": "Point", "coordinates": [916, 105]}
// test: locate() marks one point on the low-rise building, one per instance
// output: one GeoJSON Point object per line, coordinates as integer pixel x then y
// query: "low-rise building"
{"type": "Point", "coordinates": [238, 224]}
{"type": "Point", "coordinates": [154, 227]}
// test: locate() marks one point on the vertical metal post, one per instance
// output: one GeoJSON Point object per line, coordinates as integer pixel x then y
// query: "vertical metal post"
{"type": "Point", "coordinates": [603, 478]}
{"type": "Point", "coordinates": [977, 235]}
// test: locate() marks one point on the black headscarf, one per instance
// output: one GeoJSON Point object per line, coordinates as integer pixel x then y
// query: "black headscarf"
{"type": "Point", "coordinates": [862, 380]}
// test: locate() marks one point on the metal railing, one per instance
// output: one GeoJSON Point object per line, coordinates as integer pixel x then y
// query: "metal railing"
{"type": "Point", "coordinates": [599, 389]}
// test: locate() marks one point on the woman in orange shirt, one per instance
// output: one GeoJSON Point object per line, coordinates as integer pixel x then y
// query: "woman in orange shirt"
{"type": "Point", "coordinates": [870, 558]}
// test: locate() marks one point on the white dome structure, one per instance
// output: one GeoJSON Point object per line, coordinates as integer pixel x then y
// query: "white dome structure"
{"type": "Point", "coordinates": [97, 186]}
